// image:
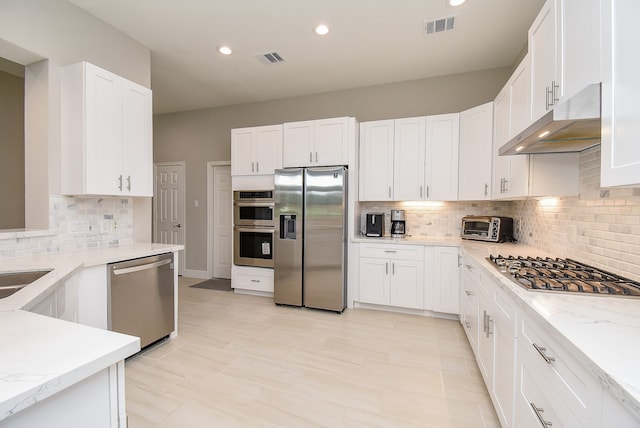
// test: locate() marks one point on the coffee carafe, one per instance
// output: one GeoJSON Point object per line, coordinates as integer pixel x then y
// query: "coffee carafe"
{"type": "Point", "coordinates": [397, 223]}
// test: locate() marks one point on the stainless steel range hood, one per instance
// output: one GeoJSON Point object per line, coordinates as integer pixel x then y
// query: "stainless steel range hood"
{"type": "Point", "coordinates": [572, 126]}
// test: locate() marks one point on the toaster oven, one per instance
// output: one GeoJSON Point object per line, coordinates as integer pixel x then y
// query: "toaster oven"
{"type": "Point", "coordinates": [487, 228]}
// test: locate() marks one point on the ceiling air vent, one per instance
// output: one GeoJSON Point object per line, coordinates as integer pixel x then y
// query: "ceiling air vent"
{"type": "Point", "coordinates": [270, 58]}
{"type": "Point", "coordinates": [439, 25]}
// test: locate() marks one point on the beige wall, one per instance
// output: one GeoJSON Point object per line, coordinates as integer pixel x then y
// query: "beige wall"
{"type": "Point", "coordinates": [12, 151]}
{"type": "Point", "coordinates": [204, 135]}
{"type": "Point", "coordinates": [61, 33]}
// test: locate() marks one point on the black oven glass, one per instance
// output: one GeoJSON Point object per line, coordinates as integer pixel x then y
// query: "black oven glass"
{"type": "Point", "coordinates": [256, 245]}
{"type": "Point", "coordinates": [255, 213]}
{"type": "Point", "coordinates": [480, 228]}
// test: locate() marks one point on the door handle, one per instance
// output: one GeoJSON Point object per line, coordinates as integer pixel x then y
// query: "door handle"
{"type": "Point", "coordinates": [178, 225]}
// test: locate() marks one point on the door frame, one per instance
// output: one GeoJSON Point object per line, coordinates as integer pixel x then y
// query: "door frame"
{"type": "Point", "coordinates": [211, 165]}
{"type": "Point", "coordinates": [182, 255]}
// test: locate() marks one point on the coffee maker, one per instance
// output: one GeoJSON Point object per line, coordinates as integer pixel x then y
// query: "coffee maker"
{"type": "Point", "coordinates": [397, 223]}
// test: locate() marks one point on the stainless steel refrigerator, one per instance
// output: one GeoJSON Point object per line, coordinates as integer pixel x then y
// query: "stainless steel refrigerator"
{"type": "Point", "coordinates": [310, 255]}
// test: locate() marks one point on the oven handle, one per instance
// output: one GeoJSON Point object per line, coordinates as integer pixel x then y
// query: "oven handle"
{"type": "Point", "coordinates": [254, 204]}
{"type": "Point", "coordinates": [267, 229]}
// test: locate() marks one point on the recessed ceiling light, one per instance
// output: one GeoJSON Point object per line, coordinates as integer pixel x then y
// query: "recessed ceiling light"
{"type": "Point", "coordinates": [455, 2]}
{"type": "Point", "coordinates": [321, 30]}
{"type": "Point", "coordinates": [224, 50]}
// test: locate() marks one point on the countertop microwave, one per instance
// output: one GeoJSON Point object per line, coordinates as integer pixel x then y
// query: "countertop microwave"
{"type": "Point", "coordinates": [487, 228]}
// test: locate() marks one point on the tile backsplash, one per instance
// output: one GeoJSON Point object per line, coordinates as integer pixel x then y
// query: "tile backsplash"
{"type": "Point", "coordinates": [76, 223]}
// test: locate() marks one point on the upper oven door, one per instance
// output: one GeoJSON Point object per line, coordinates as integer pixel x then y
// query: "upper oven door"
{"type": "Point", "coordinates": [253, 214]}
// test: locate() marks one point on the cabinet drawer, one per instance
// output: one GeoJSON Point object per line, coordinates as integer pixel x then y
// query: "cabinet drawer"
{"type": "Point", "coordinates": [504, 310]}
{"type": "Point", "coordinates": [252, 281]}
{"type": "Point", "coordinates": [538, 405]}
{"type": "Point", "coordinates": [548, 360]}
{"type": "Point", "coordinates": [392, 251]}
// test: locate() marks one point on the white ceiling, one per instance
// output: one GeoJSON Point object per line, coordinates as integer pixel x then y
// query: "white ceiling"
{"type": "Point", "coordinates": [371, 42]}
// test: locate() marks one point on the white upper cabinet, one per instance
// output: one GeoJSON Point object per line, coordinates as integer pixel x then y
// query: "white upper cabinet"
{"type": "Point", "coordinates": [542, 49]}
{"type": "Point", "coordinates": [316, 143]}
{"type": "Point", "coordinates": [376, 160]}
{"type": "Point", "coordinates": [476, 143]}
{"type": "Point", "coordinates": [441, 167]}
{"type": "Point", "coordinates": [564, 44]}
{"type": "Point", "coordinates": [620, 93]}
{"type": "Point", "coordinates": [106, 128]}
{"type": "Point", "coordinates": [408, 159]}
{"type": "Point", "coordinates": [256, 150]}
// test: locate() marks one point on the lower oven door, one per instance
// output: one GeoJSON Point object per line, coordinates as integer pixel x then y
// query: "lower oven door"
{"type": "Point", "coordinates": [253, 246]}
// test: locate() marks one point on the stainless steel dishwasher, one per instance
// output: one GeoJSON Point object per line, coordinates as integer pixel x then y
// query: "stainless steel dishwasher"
{"type": "Point", "coordinates": [141, 297]}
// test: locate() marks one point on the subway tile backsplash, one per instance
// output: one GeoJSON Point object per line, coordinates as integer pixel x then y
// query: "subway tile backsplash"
{"type": "Point", "coordinates": [77, 223]}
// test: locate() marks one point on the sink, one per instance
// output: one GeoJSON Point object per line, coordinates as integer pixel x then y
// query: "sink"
{"type": "Point", "coordinates": [12, 282]}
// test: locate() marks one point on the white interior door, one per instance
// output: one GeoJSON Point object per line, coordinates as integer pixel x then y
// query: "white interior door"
{"type": "Point", "coordinates": [222, 223]}
{"type": "Point", "coordinates": [169, 216]}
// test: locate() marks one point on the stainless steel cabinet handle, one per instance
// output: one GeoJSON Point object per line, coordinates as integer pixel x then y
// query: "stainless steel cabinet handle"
{"type": "Point", "coordinates": [120, 183]}
{"type": "Point", "coordinates": [129, 183]}
{"type": "Point", "coordinates": [547, 98]}
{"type": "Point", "coordinates": [386, 268]}
{"type": "Point", "coordinates": [255, 280]}
{"type": "Point", "coordinates": [468, 292]}
{"type": "Point", "coordinates": [554, 92]}
{"type": "Point", "coordinates": [389, 191]}
{"type": "Point", "coordinates": [543, 353]}
{"type": "Point", "coordinates": [420, 191]}
{"type": "Point", "coordinates": [467, 324]}
{"type": "Point", "coordinates": [141, 267]}
{"type": "Point", "coordinates": [469, 267]}
{"type": "Point", "coordinates": [310, 157]}
{"type": "Point", "coordinates": [252, 167]}
{"type": "Point", "coordinates": [390, 251]}
{"type": "Point", "coordinates": [393, 268]}
{"type": "Point", "coordinates": [257, 166]}
{"type": "Point", "coordinates": [486, 189]}
{"type": "Point", "coordinates": [427, 191]}
{"type": "Point", "coordinates": [459, 260]}
{"type": "Point", "coordinates": [316, 157]}
{"type": "Point", "coordinates": [539, 411]}
{"type": "Point", "coordinates": [178, 225]}
{"type": "Point", "coordinates": [489, 324]}
{"type": "Point", "coordinates": [506, 185]}
{"type": "Point", "coordinates": [484, 321]}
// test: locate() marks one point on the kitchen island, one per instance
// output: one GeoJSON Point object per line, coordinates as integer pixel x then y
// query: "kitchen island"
{"type": "Point", "coordinates": [48, 365]}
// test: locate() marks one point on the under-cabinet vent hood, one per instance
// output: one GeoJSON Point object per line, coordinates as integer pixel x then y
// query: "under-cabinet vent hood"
{"type": "Point", "coordinates": [572, 126]}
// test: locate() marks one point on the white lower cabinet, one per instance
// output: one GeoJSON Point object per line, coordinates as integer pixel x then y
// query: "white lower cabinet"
{"type": "Point", "coordinates": [445, 280]}
{"type": "Point", "coordinates": [251, 279]}
{"type": "Point", "coordinates": [61, 301]}
{"type": "Point", "coordinates": [392, 275]}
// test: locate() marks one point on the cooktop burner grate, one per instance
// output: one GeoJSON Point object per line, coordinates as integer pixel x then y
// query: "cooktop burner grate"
{"type": "Point", "coordinates": [563, 275]}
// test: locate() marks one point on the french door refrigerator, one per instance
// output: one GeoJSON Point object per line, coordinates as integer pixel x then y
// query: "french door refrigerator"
{"type": "Point", "coordinates": [310, 237]}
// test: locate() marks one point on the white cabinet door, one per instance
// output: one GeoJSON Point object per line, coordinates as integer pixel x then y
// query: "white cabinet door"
{"type": "Point", "coordinates": [256, 150]}
{"type": "Point", "coordinates": [106, 144]}
{"type": "Point", "coordinates": [137, 156]}
{"type": "Point", "coordinates": [409, 159]}
{"type": "Point", "coordinates": [376, 160]}
{"type": "Point", "coordinates": [446, 280]}
{"type": "Point", "coordinates": [469, 308]}
{"type": "Point", "coordinates": [298, 144]}
{"type": "Point", "coordinates": [268, 149]}
{"type": "Point", "coordinates": [542, 48]}
{"type": "Point", "coordinates": [441, 167]}
{"type": "Point", "coordinates": [374, 281]}
{"type": "Point", "coordinates": [504, 374]}
{"type": "Point", "coordinates": [501, 134]}
{"type": "Point", "coordinates": [476, 144]}
{"type": "Point", "coordinates": [579, 38]}
{"type": "Point", "coordinates": [407, 284]}
{"type": "Point", "coordinates": [620, 162]}
{"type": "Point", "coordinates": [242, 156]}
{"type": "Point", "coordinates": [331, 142]}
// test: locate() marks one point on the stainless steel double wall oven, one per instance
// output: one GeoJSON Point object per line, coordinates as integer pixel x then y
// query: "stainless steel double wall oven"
{"type": "Point", "coordinates": [253, 228]}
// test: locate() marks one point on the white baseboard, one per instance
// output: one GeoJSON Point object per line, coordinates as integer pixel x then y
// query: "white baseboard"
{"type": "Point", "coordinates": [191, 273]}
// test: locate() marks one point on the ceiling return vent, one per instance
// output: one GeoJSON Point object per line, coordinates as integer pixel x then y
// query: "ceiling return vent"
{"type": "Point", "coordinates": [270, 58]}
{"type": "Point", "coordinates": [439, 25]}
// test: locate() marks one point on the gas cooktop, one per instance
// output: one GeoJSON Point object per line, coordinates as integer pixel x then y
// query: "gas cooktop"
{"type": "Point", "coordinates": [563, 275]}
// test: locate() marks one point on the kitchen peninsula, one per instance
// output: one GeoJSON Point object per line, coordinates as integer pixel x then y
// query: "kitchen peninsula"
{"type": "Point", "coordinates": [51, 363]}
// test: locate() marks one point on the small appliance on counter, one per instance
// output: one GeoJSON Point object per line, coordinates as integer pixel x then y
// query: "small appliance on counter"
{"type": "Point", "coordinates": [375, 225]}
{"type": "Point", "coordinates": [487, 228]}
{"type": "Point", "coordinates": [397, 224]}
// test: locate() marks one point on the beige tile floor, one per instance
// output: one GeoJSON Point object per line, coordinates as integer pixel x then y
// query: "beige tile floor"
{"type": "Point", "coordinates": [241, 361]}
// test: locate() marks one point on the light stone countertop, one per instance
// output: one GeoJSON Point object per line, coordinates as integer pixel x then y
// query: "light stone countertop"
{"type": "Point", "coordinates": [602, 333]}
{"type": "Point", "coordinates": [41, 355]}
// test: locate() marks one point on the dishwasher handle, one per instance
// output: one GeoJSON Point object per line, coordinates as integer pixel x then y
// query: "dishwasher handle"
{"type": "Point", "coordinates": [139, 268]}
